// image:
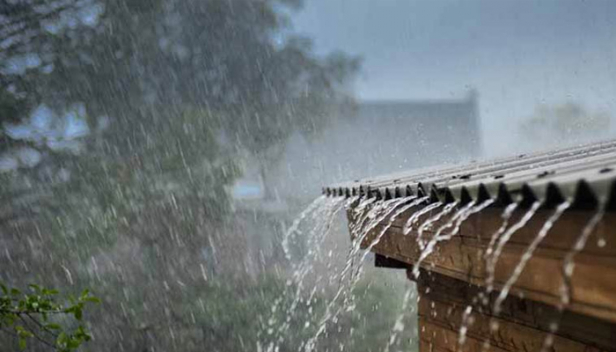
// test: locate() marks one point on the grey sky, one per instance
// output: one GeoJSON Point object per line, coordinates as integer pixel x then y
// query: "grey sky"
{"type": "Point", "coordinates": [516, 53]}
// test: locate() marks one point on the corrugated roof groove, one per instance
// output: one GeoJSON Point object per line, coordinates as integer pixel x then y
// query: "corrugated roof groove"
{"type": "Point", "coordinates": [503, 197]}
{"type": "Point", "coordinates": [584, 197]}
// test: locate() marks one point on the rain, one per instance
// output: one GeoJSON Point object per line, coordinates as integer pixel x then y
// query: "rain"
{"type": "Point", "coordinates": [307, 175]}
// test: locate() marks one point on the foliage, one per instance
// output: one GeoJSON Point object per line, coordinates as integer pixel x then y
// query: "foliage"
{"type": "Point", "coordinates": [173, 93]}
{"type": "Point", "coordinates": [378, 305]}
{"type": "Point", "coordinates": [38, 315]}
{"type": "Point", "coordinates": [138, 64]}
{"type": "Point", "coordinates": [228, 316]}
{"type": "Point", "coordinates": [241, 312]}
{"type": "Point", "coordinates": [566, 122]}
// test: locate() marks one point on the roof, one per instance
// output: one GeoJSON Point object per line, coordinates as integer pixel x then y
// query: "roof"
{"type": "Point", "coordinates": [377, 137]}
{"type": "Point", "coordinates": [583, 175]}
{"type": "Point", "coordinates": [418, 108]}
{"type": "Point", "coordinates": [442, 109]}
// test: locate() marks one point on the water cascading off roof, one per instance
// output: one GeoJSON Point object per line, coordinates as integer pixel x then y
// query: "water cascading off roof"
{"type": "Point", "coordinates": [514, 254]}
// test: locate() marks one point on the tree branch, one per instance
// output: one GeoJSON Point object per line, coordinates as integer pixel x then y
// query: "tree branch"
{"type": "Point", "coordinates": [36, 336]}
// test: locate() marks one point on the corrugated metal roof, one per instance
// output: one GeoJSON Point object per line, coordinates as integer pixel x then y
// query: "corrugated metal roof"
{"type": "Point", "coordinates": [584, 175]}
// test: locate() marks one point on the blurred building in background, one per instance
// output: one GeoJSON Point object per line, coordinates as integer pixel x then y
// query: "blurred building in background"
{"type": "Point", "coordinates": [380, 137]}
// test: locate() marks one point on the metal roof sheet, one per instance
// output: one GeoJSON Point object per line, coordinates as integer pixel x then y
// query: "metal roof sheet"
{"type": "Point", "coordinates": [584, 175]}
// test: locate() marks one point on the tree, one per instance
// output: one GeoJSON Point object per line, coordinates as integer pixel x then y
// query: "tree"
{"type": "Point", "coordinates": [36, 316]}
{"type": "Point", "coordinates": [570, 122]}
{"type": "Point", "coordinates": [140, 62]}
{"type": "Point", "coordinates": [171, 93]}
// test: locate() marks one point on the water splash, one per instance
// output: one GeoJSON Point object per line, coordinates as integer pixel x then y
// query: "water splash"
{"type": "Point", "coordinates": [528, 254]}
{"type": "Point", "coordinates": [360, 215]}
{"type": "Point", "coordinates": [466, 320]}
{"type": "Point", "coordinates": [601, 242]}
{"type": "Point", "coordinates": [296, 223]}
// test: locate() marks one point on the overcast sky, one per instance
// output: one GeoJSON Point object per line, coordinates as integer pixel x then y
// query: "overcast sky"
{"type": "Point", "coordinates": [517, 53]}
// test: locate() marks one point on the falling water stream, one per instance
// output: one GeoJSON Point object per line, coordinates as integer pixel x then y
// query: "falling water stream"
{"type": "Point", "coordinates": [496, 236]}
{"type": "Point", "coordinates": [367, 214]}
{"type": "Point", "coordinates": [466, 214]}
{"type": "Point", "coordinates": [295, 225]}
{"type": "Point", "coordinates": [380, 211]}
{"type": "Point", "coordinates": [356, 276]}
{"type": "Point", "coordinates": [568, 263]}
{"type": "Point", "coordinates": [408, 226]}
{"type": "Point", "coordinates": [567, 272]}
{"type": "Point", "coordinates": [466, 315]}
{"type": "Point", "coordinates": [502, 240]}
{"type": "Point", "coordinates": [456, 221]}
{"type": "Point", "coordinates": [414, 201]}
{"type": "Point", "coordinates": [528, 254]}
{"type": "Point", "coordinates": [427, 225]}
{"type": "Point", "coordinates": [321, 213]}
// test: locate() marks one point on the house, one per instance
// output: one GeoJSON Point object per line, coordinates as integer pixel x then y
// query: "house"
{"type": "Point", "coordinates": [514, 254]}
{"type": "Point", "coordinates": [380, 137]}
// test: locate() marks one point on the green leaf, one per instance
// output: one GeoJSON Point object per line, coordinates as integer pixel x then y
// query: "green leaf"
{"type": "Point", "coordinates": [78, 313]}
{"type": "Point", "coordinates": [61, 340]}
{"type": "Point", "coordinates": [9, 319]}
{"type": "Point", "coordinates": [22, 343]}
{"type": "Point", "coordinates": [41, 303]}
{"type": "Point", "coordinates": [53, 326]}
{"type": "Point", "coordinates": [92, 299]}
{"type": "Point", "coordinates": [73, 343]}
{"type": "Point", "coordinates": [50, 292]}
{"type": "Point", "coordinates": [22, 332]}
